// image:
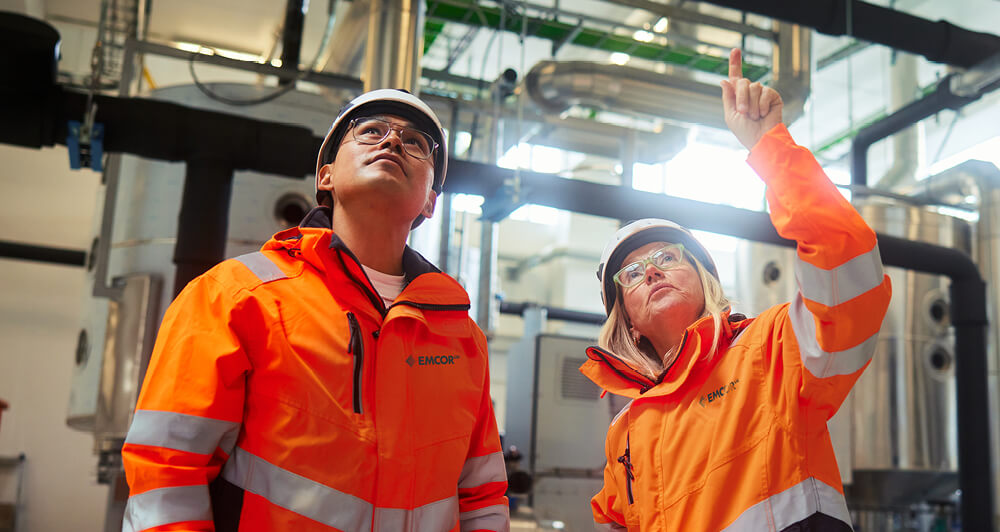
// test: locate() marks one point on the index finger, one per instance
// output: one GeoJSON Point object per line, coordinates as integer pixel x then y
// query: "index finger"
{"type": "Point", "coordinates": [735, 64]}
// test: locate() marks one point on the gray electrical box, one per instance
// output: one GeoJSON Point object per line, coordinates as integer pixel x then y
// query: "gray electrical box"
{"type": "Point", "coordinates": [558, 420]}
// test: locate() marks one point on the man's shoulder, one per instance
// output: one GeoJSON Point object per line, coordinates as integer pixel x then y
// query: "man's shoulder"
{"type": "Point", "coordinates": [249, 271]}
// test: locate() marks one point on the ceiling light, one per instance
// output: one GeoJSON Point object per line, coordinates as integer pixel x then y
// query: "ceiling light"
{"type": "Point", "coordinates": [643, 36]}
{"type": "Point", "coordinates": [619, 58]}
{"type": "Point", "coordinates": [661, 25]}
{"type": "Point", "coordinates": [193, 48]}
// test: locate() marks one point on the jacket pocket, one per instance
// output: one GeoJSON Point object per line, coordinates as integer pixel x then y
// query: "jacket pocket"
{"type": "Point", "coordinates": [356, 348]}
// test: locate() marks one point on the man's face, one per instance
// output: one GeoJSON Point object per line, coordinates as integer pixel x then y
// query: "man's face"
{"type": "Point", "coordinates": [382, 176]}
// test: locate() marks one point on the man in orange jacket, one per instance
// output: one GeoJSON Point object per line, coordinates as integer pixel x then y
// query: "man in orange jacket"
{"type": "Point", "coordinates": [332, 380]}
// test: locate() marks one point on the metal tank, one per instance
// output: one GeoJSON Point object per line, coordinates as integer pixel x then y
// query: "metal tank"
{"type": "Point", "coordinates": [904, 419]}
{"type": "Point", "coordinates": [895, 436]}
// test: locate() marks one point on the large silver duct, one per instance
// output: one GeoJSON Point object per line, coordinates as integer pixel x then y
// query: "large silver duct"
{"type": "Point", "coordinates": [351, 31]}
{"type": "Point", "coordinates": [395, 45]}
{"type": "Point", "coordinates": [557, 85]}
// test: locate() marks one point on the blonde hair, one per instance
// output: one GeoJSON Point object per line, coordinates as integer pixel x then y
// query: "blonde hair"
{"type": "Point", "coordinates": [616, 336]}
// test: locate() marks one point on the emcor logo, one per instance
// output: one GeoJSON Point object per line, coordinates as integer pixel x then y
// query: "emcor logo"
{"type": "Point", "coordinates": [432, 360]}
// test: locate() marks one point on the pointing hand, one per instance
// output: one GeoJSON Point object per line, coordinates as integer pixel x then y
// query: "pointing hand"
{"type": "Point", "coordinates": [751, 109]}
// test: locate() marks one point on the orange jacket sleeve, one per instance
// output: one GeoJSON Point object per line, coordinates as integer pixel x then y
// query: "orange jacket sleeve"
{"type": "Point", "coordinates": [843, 293]}
{"type": "Point", "coordinates": [483, 482]}
{"type": "Point", "coordinates": [188, 414]}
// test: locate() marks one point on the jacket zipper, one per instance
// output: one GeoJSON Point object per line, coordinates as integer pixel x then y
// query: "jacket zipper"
{"type": "Point", "coordinates": [626, 461]}
{"type": "Point", "coordinates": [356, 347]}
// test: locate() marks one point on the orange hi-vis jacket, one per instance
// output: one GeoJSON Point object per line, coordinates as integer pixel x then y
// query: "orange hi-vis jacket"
{"type": "Point", "coordinates": [739, 441]}
{"type": "Point", "coordinates": [283, 395]}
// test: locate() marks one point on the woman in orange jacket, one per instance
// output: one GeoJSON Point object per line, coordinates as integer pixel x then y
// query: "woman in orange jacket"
{"type": "Point", "coordinates": [727, 429]}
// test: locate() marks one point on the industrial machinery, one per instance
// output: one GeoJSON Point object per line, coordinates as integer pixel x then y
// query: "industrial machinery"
{"type": "Point", "coordinates": [556, 417]}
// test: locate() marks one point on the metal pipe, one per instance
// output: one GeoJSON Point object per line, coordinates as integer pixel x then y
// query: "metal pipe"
{"type": "Point", "coordinates": [554, 313]}
{"type": "Point", "coordinates": [51, 255]}
{"type": "Point", "coordinates": [351, 30]}
{"type": "Point", "coordinates": [555, 86]}
{"type": "Point", "coordinates": [291, 36]}
{"type": "Point", "coordinates": [395, 45]}
{"type": "Point", "coordinates": [326, 79]}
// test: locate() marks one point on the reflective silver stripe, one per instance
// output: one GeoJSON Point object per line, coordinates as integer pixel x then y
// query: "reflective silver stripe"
{"type": "Point", "coordinates": [261, 266]}
{"type": "Point", "coordinates": [297, 493]}
{"type": "Point", "coordinates": [781, 510]}
{"type": "Point", "coordinates": [163, 506]}
{"type": "Point", "coordinates": [621, 412]}
{"type": "Point", "coordinates": [821, 363]}
{"type": "Point", "coordinates": [495, 518]}
{"type": "Point", "coordinates": [483, 470]}
{"type": "Point", "coordinates": [438, 515]}
{"type": "Point", "coordinates": [843, 283]}
{"type": "Point", "coordinates": [607, 527]}
{"type": "Point", "coordinates": [182, 432]}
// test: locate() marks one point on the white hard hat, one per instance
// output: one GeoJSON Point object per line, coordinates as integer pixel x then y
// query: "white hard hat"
{"type": "Point", "coordinates": [637, 234]}
{"type": "Point", "coordinates": [391, 102]}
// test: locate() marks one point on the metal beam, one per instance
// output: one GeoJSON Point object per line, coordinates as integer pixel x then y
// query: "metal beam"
{"type": "Point", "coordinates": [687, 15]}
{"type": "Point", "coordinates": [673, 53]}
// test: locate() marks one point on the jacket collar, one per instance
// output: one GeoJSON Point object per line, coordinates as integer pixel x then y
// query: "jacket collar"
{"type": "Point", "coordinates": [616, 376]}
{"type": "Point", "coordinates": [314, 242]}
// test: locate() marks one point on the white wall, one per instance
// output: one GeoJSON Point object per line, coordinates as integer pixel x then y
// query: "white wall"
{"type": "Point", "coordinates": [43, 202]}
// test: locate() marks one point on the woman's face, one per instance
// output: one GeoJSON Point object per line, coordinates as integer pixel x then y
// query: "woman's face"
{"type": "Point", "coordinates": [664, 300]}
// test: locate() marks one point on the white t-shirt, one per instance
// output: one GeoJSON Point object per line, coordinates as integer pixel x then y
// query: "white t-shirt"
{"type": "Point", "coordinates": [387, 286]}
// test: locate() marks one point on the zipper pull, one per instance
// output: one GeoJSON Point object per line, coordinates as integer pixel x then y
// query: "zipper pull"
{"type": "Point", "coordinates": [626, 461]}
{"type": "Point", "coordinates": [356, 347]}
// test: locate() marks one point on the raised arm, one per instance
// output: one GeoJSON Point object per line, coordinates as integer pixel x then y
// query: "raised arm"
{"type": "Point", "coordinates": [843, 292]}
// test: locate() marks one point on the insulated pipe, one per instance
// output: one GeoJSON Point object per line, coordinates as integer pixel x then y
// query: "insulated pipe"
{"type": "Point", "coordinates": [291, 36]}
{"type": "Point", "coordinates": [66, 257]}
{"type": "Point", "coordinates": [942, 98]}
{"type": "Point", "coordinates": [938, 41]}
{"type": "Point", "coordinates": [203, 222]}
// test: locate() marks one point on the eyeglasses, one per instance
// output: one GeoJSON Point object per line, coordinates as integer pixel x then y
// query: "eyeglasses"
{"type": "Point", "coordinates": [665, 258]}
{"type": "Point", "coordinates": [416, 143]}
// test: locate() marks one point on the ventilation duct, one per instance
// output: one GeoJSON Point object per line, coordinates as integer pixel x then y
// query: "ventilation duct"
{"type": "Point", "coordinates": [351, 29]}
{"type": "Point", "coordinates": [558, 85]}
{"type": "Point", "coordinates": [395, 45]}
